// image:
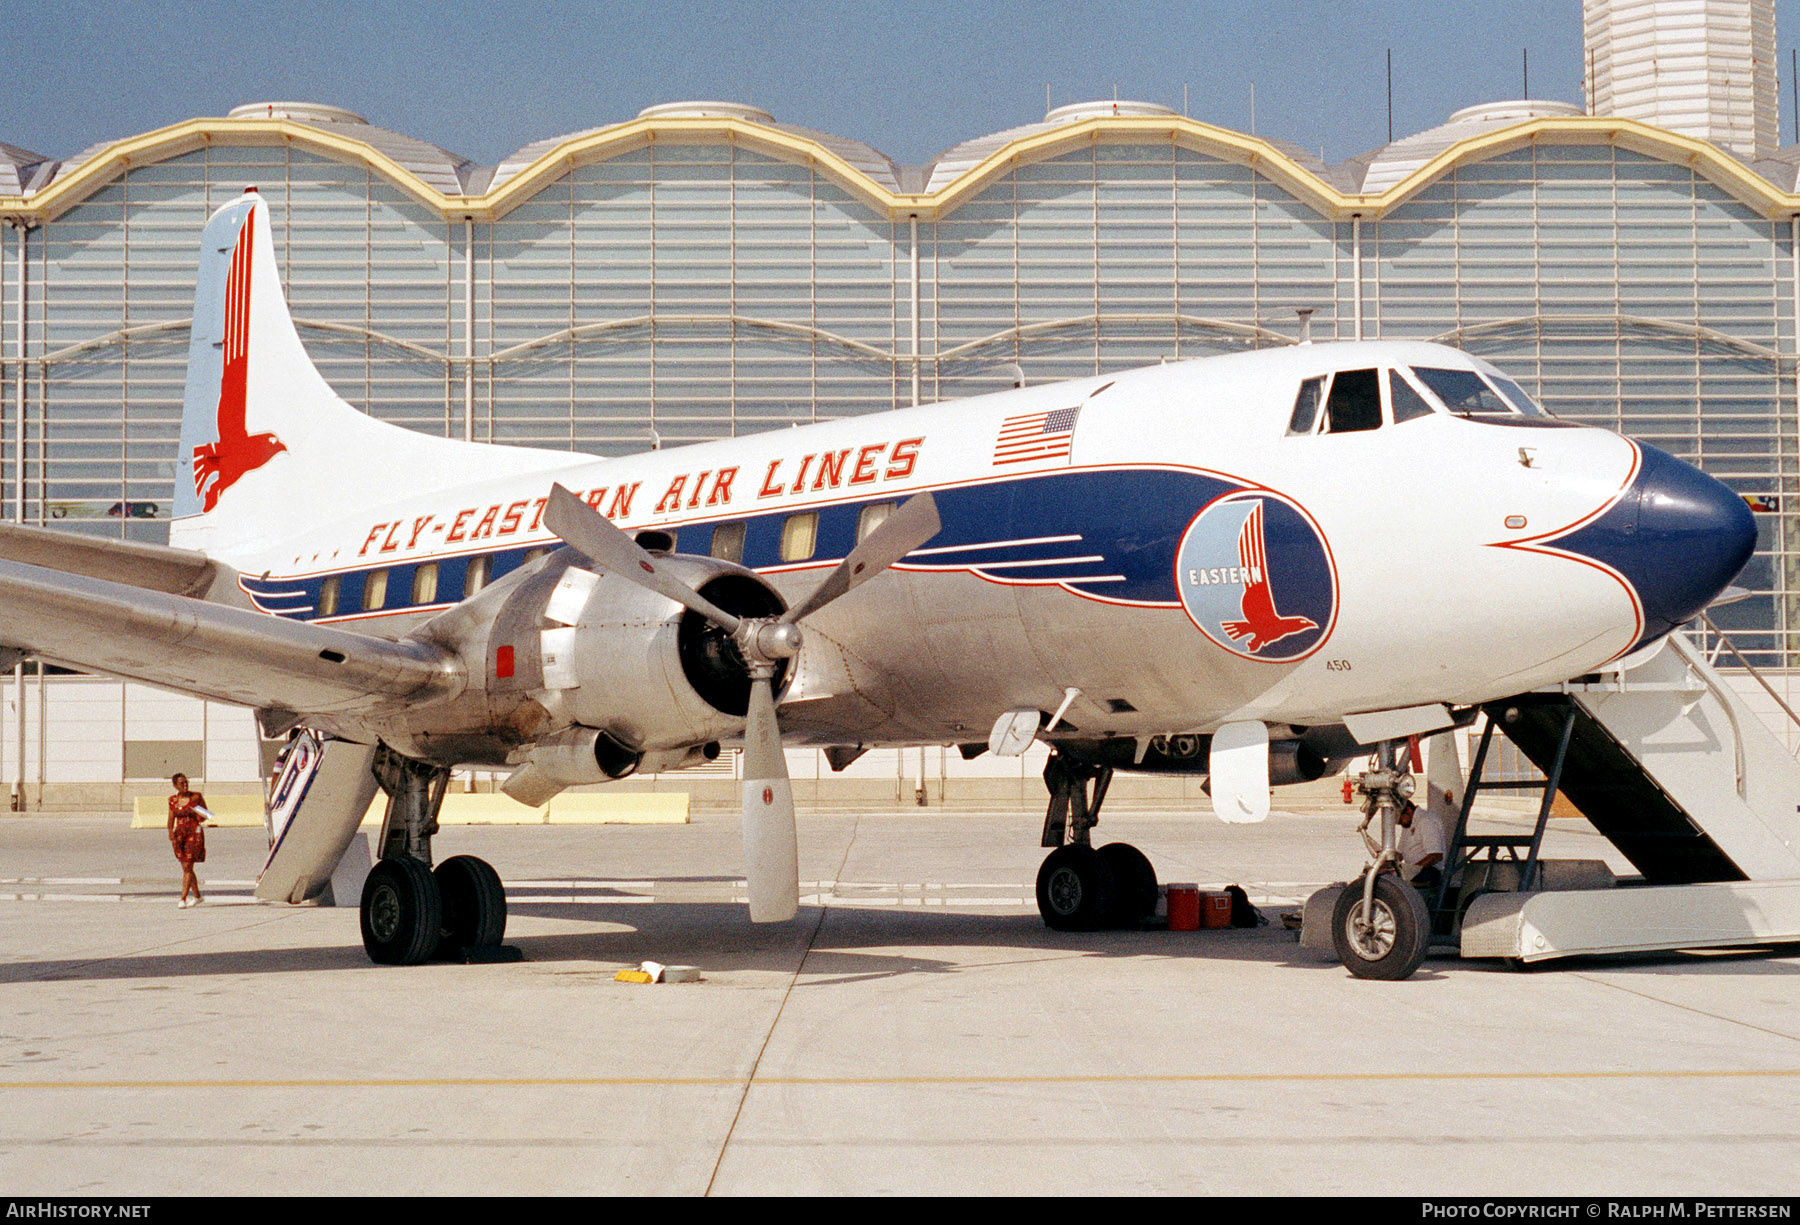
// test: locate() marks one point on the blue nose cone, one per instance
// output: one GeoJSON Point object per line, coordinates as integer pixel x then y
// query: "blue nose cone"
{"type": "Point", "coordinates": [1695, 535]}
{"type": "Point", "coordinates": [1678, 536]}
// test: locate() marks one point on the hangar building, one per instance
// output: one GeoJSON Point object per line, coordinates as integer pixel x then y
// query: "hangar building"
{"type": "Point", "coordinates": [704, 269]}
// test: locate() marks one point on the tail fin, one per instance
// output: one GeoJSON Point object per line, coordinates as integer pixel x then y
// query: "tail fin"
{"type": "Point", "coordinates": [267, 447]}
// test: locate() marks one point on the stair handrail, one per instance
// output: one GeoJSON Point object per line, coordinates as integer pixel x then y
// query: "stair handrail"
{"type": "Point", "coordinates": [1751, 669]}
{"type": "Point", "coordinates": [1700, 668]}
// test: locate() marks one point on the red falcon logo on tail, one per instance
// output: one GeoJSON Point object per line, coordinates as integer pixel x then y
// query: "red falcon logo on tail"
{"type": "Point", "coordinates": [236, 453]}
{"type": "Point", "coordinates": [1260, 623]}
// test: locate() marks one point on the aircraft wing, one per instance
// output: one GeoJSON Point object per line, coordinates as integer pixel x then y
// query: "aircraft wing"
{"type": "Point", "coordinates": [156, 566]}
{"type": "Point", "coordinates": [211, 650]}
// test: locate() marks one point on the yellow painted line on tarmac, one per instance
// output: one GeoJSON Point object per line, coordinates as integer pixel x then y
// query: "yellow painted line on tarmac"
{"type": "Point", "coordinates": [591, 1082]}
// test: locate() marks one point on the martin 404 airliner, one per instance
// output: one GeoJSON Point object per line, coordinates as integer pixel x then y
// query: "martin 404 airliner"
{"type": "Point", "coordinates": [1254, 566]}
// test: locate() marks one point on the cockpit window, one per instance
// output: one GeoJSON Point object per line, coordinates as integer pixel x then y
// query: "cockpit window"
{"type": "Point", "coordinates": [1306, 406]}
{"type": "Point", "coordinates": [1520, 401]}
{"type": "Point", "coordinates": [1355, 402]}
{"type": "Point", "coordinates": [1464, 392]}
{"type": "Point", "coordinates": [1407, 403]}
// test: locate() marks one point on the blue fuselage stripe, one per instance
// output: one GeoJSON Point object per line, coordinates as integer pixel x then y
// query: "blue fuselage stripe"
{"type": "Point", "coordinates": [1131, 519]}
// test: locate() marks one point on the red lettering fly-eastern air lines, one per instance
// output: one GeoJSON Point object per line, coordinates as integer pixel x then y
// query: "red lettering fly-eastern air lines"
{"type": "Point", "coordinates": [221, 464]}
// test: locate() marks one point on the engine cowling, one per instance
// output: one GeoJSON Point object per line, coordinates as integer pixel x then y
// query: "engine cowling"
{"type": "Point", "coordinates": [597, 651]}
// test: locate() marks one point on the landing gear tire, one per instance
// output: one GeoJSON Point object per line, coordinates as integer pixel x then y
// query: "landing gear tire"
{"type": "Point", "coordinates": [402, 913]}
{"type": "Point", "coordinates": [1075, 889]}
{"type": "Point", "coordinates": [474, 911]}
{"type": "Point", "coordinates": [1134, 883]}
{"type": "Point", "coordinates": [1392, 946]}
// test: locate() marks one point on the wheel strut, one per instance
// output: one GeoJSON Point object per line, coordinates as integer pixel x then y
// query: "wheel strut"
{"type": "Point", "coordinates": [415, 791]}
{"type": "Point", "coordinates": [1077, 791]}
{"type": "Point", "coordinates": [402, 904]}
{"type": "Point", "coordinates": [1380, 926]}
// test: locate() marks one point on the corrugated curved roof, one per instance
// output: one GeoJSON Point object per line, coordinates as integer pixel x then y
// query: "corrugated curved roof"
{"type": "Point", "coordinates": [865, 159]}
{"type": "Point", "coordinates": [439, 169]}
{"type": "Point", "coordinates": [1367, 186]}
{"type": "Point", "coordinates": [1781, 169]}
{"type": "Point", "coordinates": [958, 160]}
{"type": "Point", "coordinates": [514, 162]}
{"type": "Point", "coordinates": [1382, 168]}
{"type": "Point", "coordinates": [18, 167]}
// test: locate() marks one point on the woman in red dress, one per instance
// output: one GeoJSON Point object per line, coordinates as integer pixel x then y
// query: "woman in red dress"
{"type": "Point", "coordinates": [187, 834]}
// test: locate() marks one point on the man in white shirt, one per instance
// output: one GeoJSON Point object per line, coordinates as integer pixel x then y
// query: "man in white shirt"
{"type": "Point", "coordinates": [1422, 844]}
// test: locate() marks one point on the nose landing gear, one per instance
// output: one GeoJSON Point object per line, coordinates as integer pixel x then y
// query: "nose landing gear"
{"type": "Point", "coordinates": [1380, 927]}
{"type": "Point", "coordinates": [1382, 936]}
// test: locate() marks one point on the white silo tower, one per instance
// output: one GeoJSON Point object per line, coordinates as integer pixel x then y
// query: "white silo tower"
{"type": "Point", "coordinates": [1703, 68]}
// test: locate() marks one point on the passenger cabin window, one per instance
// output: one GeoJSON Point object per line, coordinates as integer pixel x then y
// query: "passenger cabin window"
{"type": "Point", "coordinates": [1408, 404]}
{"type": "Point", "coordinates": [728, 542]}
{"type": "Point", "coordinates": [1306, 406]}
{"type": "Point", "coordinates": [328, 597]}
{"type": "Point", "coordinates": [1355, 402]}
{"type": "Point", "coordinates": [799, 536]}
{"type": "Point", "coordinates": [374, 590]}
{"type": "Point", "coordinates": [475, 577]}
{"type": "Point", "coordinates": [1464, 392]}
{"type": "Point", "coordinates": [872, 517]}
{"type": "Point", "coordinates": [425, 577]}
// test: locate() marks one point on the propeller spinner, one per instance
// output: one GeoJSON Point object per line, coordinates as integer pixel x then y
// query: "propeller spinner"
{"type": "Point", "coordinates": [771, 850]}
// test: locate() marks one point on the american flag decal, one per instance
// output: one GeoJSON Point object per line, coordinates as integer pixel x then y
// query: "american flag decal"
{"type": "Point", "coordinates": [1033, 437]}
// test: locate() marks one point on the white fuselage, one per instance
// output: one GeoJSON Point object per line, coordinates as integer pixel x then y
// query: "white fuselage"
{"type": "Point", "coordinates": [1061, 564]}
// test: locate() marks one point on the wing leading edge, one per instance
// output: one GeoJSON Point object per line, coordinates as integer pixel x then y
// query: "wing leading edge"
{"type": "Point", "coordinates": [214, 651]}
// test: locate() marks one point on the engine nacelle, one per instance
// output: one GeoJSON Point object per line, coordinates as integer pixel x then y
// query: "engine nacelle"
{"type": "Point", "coordinates": [569, 758]}
{"type": "Point", "coordinates": [579, 755]}
{"type": "Point", "coordinates": [599, 652]}
{"type": "Point", "coordinates": [1290, 761]}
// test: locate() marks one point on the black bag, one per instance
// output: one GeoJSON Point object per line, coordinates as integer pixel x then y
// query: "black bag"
{"type": "Point", "coordinates": [1243, 914]}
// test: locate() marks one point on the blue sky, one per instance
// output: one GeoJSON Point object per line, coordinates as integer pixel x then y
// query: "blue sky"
{"type": "Point", "coordinates": [909, 78]}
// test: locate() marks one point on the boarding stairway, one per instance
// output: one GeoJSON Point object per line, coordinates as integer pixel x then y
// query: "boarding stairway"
{"type": "Point", "coordinates": [1671, 765]}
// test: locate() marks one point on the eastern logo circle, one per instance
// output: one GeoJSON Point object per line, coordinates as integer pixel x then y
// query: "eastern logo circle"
{"type": "Point", "coordinates": [1256, 577]}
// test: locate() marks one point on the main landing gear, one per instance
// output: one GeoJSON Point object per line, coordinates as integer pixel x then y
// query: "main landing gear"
{"type": "Point", "coordinates": [1080, 888]}
{"type": "Point", "coordinates": [1380, 927]}
{"type": "Point", "coordinates": [411, 913]}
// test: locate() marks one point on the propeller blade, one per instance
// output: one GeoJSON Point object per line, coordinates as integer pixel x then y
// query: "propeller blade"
{"type": "Point", "coordinates": [771, 849]}
{"type": "Point", "coordinates": [913, 522]}
{"type": "Point", "coordinates": [588, 530]}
